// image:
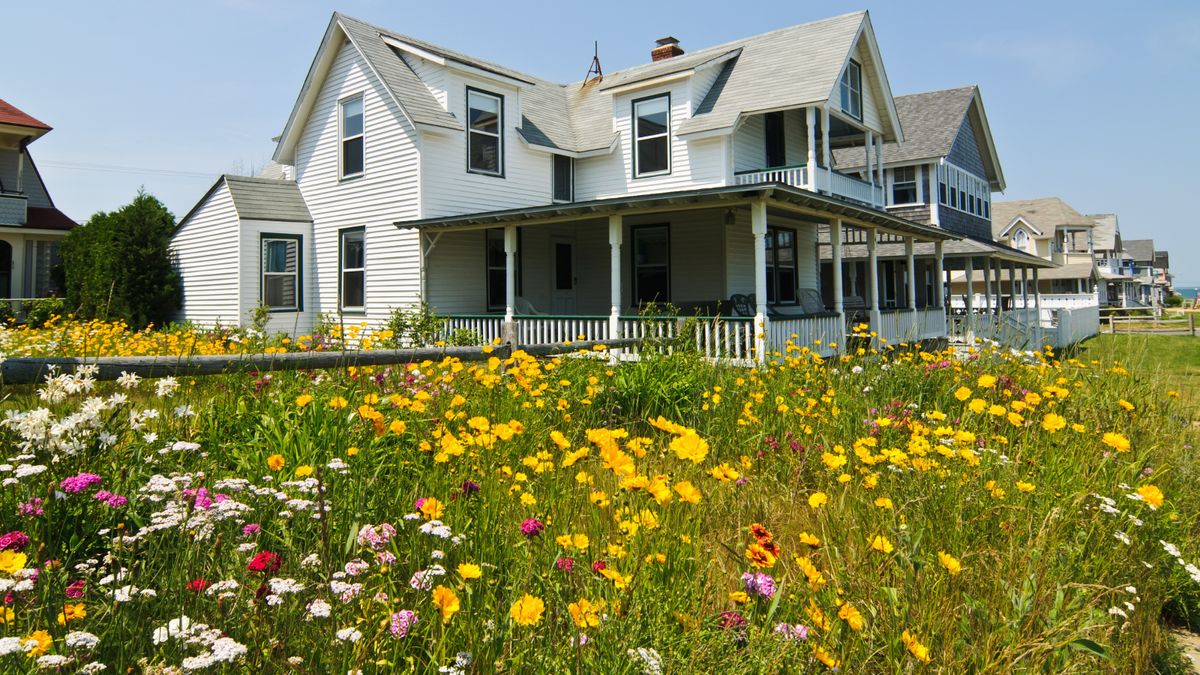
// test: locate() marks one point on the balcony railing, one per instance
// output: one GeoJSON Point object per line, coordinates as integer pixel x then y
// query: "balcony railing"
{"type": "Point", "coordinates": [830, 182]}
{"type": "Point", "coordinates": [14, 209]}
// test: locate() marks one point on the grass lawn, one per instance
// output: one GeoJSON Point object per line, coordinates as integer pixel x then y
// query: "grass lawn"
{"type": "Point", "coordinates": [1172, 360]}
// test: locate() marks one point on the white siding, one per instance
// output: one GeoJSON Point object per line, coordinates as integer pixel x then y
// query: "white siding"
{"type": "Point", "coordinates": [433, 75]}
{"type": "Point", "coordinates": [388, 191]}
{"type": "Point", "coordinates": [750, 144]}
{"type": "Point", "coordinates": [250, 264]}
{"type": "Point", "coordinates": [206, 249]}
{"type": "Point", "coordinates": [871, 89]}
{"type": "Point", "coordinates": [694, 164]}
{"type": "Point", "coordinates": [456, 281]}
{"type": "Point", "coordinates": [449, 189]}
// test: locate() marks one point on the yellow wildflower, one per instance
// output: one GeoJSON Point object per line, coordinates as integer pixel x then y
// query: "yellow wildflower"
{"type": "Point", "coordinates": [527, 611]}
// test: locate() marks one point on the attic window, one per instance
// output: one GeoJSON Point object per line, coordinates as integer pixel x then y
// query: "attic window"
{"type": "Point", "coordinates": [485, 125]}
{"type": "Point", "coordinates": [652, 136]}
{"type": "Point", "coordinates": [352, 137]}
{"type": "Point", "coordinates": [851, 89]}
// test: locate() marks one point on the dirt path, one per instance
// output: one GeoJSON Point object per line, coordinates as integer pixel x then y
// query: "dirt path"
{"type": "Point", "coordinates": [1190, 643]}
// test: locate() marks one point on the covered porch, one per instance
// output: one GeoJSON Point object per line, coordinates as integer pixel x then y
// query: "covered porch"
{"type": "Point", "coordinates": [737, 267]}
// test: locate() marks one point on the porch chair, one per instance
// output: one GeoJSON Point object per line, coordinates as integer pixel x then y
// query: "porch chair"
{"type": "Point", "coordinates": [523, 306]}
{"type": "Point", "coordinates": [741, 304]}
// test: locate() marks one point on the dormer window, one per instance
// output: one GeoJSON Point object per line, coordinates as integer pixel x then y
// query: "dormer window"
{"type": "Point", "coordinates": [851, 89]}
{"type": "Point", "coordinates": [485, 128]}
{"type": "Point", "coordinates": [352, 137]}
{"type": "Point", "coordinates": [652, 136]}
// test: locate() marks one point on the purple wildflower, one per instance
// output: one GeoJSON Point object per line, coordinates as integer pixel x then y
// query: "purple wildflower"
{"type": "Point", "coordinates": [251, 529]}
{"type": "Point", "coordinates": [32, 508]}
{"type": "Point", "coordinates": [789, 631]}
{"type": "Point", "coordinates": [532, 527]}
{"type": "Point", "coordinates": [76, 484]}
{"type": "Point", "coordinates": [565, 564]}
{"type": "Point", "coordinates": [113, 500]}
{"type": "Point", "coordinates": [402, 622]}
{"type": "Point", "coordinates": [760, 584]}
{"type": "Point", "coordinates": [470, 487]}
{"type": "Point", "coordinates": [15, 541]}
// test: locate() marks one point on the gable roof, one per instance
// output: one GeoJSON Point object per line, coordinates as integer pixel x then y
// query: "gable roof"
{"type": "Point", "coordinates": [1141, 250]}
{"type": "Point", "coordinates": [931, 121]}
{"type": "Point", "coordinates": [1044, 213]}
{"type": "Point", "coordinates": [10, 114]}
{"type": "Point", "coordinates": [576, 118]}
{"type": "Point", "coordinates": [259, 199]}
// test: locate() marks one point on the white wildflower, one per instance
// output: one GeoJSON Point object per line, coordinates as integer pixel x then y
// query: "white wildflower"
{"type": "Point", "coordinates": [349, 635]}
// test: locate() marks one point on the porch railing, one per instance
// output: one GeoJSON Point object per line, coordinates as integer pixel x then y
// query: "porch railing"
{"type": "Point", "coordinates": [486, 328]}
{"type": "Point", "coordinates": [549, 330]}
{"type": "Point", "coordinates": [796, 176]}
{"type": "Point", "coordinates": [817, 333]}
{"type": "Point", "coordinates": [831, 182]}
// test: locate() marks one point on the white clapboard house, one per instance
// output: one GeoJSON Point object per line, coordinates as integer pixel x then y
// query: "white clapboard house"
{"type": "Point", "coordinates": [542, 212]}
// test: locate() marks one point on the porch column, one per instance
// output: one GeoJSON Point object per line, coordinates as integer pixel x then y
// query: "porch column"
{"type": "Point", "coordinates": [969, 299]}
{"type": "Point", "coordinates": [939, 260]}
{"type": "Point", "coordinates": [873, 280]}
{"type": "Point", "coordinates": [810, 117]}
{"type": "Point", "coordinates": [1012, 285]}
{"type": "Point", "coordinates": [615, 238]}
{"type": "Point", "coordinates": [987, 285]}
{"type": "Point", "coordinates": [825, 146]}
{"type": "Point", "coordinates": [510, 283]}
{"type": "Point", "coordinates": [839, 302]}
{"type": "Point", "coordinates": [870, 148]}
{"type": "Point", "coordinates": [879, 166]}
{"type": "Point", "coordinates": [1024, 287]}
{"type": "Point", "coordinates": [758, 226]}
{"type": "Point", "coordinates": [997, 268]}
{"type": "Point", "coordinates": [1037, 295]}
{"type": "Point", "coordinates": [912, 273]}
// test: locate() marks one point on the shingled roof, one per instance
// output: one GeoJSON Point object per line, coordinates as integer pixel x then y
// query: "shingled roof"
{"type": "Point", "coordinates": [1141, 250]}
{"type": "Point", "coordinates": [1044, 213]}
{"type": "Point", "coordinates": [931, 121]}
{"type": "Point", "coordinates": [259, 199]}
{"type": "Point", "coordinates": [576, 118]}
{"type": "Point", "coordinates": [10, 114]}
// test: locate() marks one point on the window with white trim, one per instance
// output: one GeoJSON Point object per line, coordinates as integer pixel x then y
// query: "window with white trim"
{"type": "Point", "coordinates": [963, 191]}
{"type": "Point", "coordinates": [563, 179]}
{"type": "Point", "coordinates": [652, 136]}
{"type": "Point", "coordinates": [281, 272]}
{"type": "Point", "coordinates": [485, 129]}
{"type": "Point", "coordinates": [851, 89]}
{"type": "Point", "coordinates": [781, 265]}
{"type": "Point", "coordinates": [651, 264]}
{"type": "Point", "coordinates": [351, 130]}
{"type": "Point", "coordinates": [352, 264]}
{"type": "Point", "coordinates": [904, 185]}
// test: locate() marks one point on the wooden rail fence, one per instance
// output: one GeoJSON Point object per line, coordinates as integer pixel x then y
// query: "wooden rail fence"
{"type": "Point", "coordinates": [24, 370]}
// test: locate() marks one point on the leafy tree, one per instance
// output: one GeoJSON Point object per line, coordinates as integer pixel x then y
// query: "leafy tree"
{"type": "Point", "coordinates": [119, 266]}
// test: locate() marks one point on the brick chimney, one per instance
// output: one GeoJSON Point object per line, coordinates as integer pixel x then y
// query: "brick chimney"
{"type": "Point", "coordinates": [665, 49]}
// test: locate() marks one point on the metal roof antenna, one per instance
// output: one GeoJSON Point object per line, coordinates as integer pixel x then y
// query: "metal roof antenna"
{"type": "Point", "coordinates": [594, 68]}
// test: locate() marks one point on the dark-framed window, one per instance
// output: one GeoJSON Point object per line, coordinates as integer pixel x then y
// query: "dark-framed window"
{"type": "Point", "coordinates": [652, 136]}
{"type": "Point", "coordinates": [776, 149]}
{"type": "Point", "coordinates": [651, 263]}
{"type": "Point", "coordinates": [563, 179]}
{"type": "Point", "coordinates": [781, 265]}
{"type": "Point", "coordinates": [352, 269]}
{"type": "Point", "coordinates": [851, 89]}
{"type": "Point", "coordinates": [904, 185]}
{"type": "Point", "coordinates": [281, 276]}
{"type": "Point", "coordinates": [497, 269]}
{"type": "Point", "coordinates": [485, 132]}
{"type": "Point", "coordinates": [351, 130]}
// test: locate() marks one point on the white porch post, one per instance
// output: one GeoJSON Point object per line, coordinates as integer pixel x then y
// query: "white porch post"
{"type": "Point", "coordinates": [825, 146]}
{"type": "Point", "coordinates": [510, 283]}
{"type": "Point", "coordinates": [870, 148]}
{"type": "Point", "coordinates": [810, 117]}
{"type": "Point", "coordinates": [1012, 285]}
{"type": "Point", "coordinates": [1037, 295]}
{"type": "Point", "coordinates": [873, 280]}
{"type": "Point", "coordinates": [758, 226]}
{"type": "Point", "coordinates": [879, 164]}
{"type": "Point", "coordinates": [998, 269]}
{"type": "Point", "coordinates": [987, 285]}
{"type": "Point", "coordinates": [1024, 287]}
{"type": "Point", "coordinates": [940, 267]}
{"type": "Point", "coordinates": [615, 238]}
{"type": "Point", "coordinates": [912, 273]}
{"type": "Point", "coordinates": [969, 328]}
{"type": "Point", "coordinates": [839, 302]}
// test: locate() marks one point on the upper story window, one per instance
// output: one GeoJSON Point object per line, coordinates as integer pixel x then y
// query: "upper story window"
{"type": "Point", "coordinates": [851, 89]}
{"type": "Point", "coordinates": [563, 188]}
{"type": "Point", "coordinates": [353, 159]}
{"type": "Point", "coordinates": [485, 129]}
{"type": "Point", "coordinates": [963, 191]}
{"type": "Point", "coordinates": [904, 185]}
{"type": "Point", "coordinates": [1021, 240]}
{"type": "Point", "coordinates": [652, 136]}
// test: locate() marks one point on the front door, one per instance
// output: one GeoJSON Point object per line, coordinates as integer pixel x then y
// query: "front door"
{"type": "Point", "coordinates": [563, 279]}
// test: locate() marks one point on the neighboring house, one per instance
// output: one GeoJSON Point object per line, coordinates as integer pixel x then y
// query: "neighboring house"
{"type": "Point", "coordinates": [1150, 280]}
{"type": "Point", "coordinates": [1117, 287]}
{"type": "Point", "coordinates": [408, 172]}
{"type": "Point", "coordinates": [30, 225]}
{"type": "Point", "coordinates": [943, 175]}
{"type": "Point", "coordinates": [1050, 229]}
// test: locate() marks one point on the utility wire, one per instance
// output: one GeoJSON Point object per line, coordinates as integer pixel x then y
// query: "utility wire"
{"type": "Point", "coordinates": [113, 168]}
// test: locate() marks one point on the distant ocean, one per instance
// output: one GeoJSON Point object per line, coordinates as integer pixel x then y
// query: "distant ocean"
{"type": "Point", "coordinates": [1188, 292]}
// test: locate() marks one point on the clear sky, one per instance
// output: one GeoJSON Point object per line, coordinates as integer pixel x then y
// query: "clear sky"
{"type": "Point", "coordinates": [1095, 101]}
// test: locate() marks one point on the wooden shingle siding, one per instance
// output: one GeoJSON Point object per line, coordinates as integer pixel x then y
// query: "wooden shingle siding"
{"type": "Point", "coordinates": [388, 191]}
{"type": "Point", "coordinates": [965, 152]}
{"type": "Point", "coordinates": [32, 185]}
{"type": "Point", "coordinates": [206, 252]}
{"type": "Point", "coordinates": [964, 223]}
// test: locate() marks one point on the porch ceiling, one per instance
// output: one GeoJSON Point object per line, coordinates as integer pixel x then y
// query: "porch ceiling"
{"type": "Point", "coordinates": [967, 247]}
{"type": "Point", "coordinates": [777, 195]}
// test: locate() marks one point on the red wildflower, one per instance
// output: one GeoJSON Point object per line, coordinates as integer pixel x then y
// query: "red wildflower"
{"type": "Point", "coordinates": [265, 561]}
{"type": "Point", "coordinates": [198, 585]}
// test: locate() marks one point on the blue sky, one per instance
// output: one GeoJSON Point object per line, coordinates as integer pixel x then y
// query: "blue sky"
{"type": "Point", "coordinates": [166, 95]}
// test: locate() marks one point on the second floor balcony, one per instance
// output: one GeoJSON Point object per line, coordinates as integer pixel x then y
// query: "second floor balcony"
{"type": "Point", "coordinates": [14, 208]}
{"type": "Point", "coordinates": [826, 180]}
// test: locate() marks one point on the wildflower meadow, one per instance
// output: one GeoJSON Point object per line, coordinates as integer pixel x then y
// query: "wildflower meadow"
{"type": "Point", "coordinates": [887, 510]}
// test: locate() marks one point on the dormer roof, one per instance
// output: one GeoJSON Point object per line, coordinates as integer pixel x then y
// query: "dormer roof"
{"type": "Point", "coordinates": [1045, 214]}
